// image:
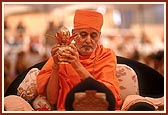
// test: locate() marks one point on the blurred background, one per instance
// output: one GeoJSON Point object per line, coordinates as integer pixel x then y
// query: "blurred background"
{"type": "Point", "coordinates": [135, 31]}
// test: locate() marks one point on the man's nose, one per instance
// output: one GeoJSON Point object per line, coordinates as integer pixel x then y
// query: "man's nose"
{"type": "Point", "coordinates": [88, 39]}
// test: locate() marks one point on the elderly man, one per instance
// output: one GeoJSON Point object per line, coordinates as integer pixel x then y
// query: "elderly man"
{"type": "Point", "coordinates": [86, 59]}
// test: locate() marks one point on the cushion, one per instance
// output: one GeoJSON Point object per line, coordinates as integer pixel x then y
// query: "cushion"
{"type": "Point", "coordinates": [16, 103]}
{"type": "Point", "coordinates": [130, 100]}
{"type": "Point", "coordinates": [27, 89]}
{"type": "Point", "coordinates": [40, 103]}
{"type": "Point", "coordinates": [128, 80]}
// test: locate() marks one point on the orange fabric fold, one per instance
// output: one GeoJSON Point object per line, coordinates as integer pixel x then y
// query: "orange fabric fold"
{"type": "Point", "coordinates": [88, 19]}
{"type": "Point", "coordinates": [104, 72]}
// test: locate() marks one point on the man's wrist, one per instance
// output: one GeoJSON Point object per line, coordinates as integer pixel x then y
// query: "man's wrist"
{"type": "Point", "coordinates": [55, 67]}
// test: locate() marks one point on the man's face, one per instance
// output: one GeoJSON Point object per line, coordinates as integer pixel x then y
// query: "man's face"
{"type": "Point", "coordinates": [86, 41]}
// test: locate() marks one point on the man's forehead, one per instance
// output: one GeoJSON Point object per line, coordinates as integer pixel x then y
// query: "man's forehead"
{"type": "Point", "coordinates": [86, 29]}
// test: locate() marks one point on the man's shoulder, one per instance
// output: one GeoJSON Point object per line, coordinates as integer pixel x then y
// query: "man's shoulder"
{"type": "Point", "coordinates": [106, 54]}
{"type": "Point", "coordinates": [106, 50]}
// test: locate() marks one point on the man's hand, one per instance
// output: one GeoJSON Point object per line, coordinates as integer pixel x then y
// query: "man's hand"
{"type": "Point", "coordinates": [71, 56]}
{"type": "Point", "coordinates": [55, 54]}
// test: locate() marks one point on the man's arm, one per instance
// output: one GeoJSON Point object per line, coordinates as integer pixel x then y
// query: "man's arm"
{"type": "Point", "coordinates": [53, 86]}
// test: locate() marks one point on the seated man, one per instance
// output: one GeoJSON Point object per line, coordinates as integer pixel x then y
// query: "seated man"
{"type": "Point", "coordinates": [86, 58]}
{"type": "Point", "coordinates": [90, 66]}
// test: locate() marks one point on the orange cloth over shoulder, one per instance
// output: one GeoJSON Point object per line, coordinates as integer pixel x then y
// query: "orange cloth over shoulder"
{"type": "Point", "coordinates": [104, 72]}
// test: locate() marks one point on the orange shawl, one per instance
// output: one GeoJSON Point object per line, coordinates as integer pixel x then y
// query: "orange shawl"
{"type": "Point", "coordinates": [104, 72]}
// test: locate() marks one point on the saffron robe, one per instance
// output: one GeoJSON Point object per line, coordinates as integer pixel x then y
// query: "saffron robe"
{"type": "Point", "coordinates": [101, 64]}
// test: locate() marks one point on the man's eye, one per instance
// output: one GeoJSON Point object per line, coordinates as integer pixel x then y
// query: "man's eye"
{"type": "Point", "coordinates": [83, 34]}
{"type": "Point", "coordinates": [94, 35]}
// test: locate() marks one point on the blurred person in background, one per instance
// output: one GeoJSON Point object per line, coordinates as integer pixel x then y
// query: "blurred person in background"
{"type": "Point", "coordinates": [112, 40]}
{"type": "Point", "coordinates": [7, 77]}
{"type": "Point", "coordinates": [32, 57]}
{"type": "Point", "coordinates": [6, 25]}
{"type": "Point", "coordinates": [129, 46]}
{"type": "Point", "coordinates": [159, 64]}
{"type": "Point", "coordinates": [20, 28]}
{"type": "Point", "coordinates": [20, 65]}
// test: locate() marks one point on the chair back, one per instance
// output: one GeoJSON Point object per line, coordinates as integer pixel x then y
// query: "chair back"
{"type": "Point", "coordinates": [128, 80]}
